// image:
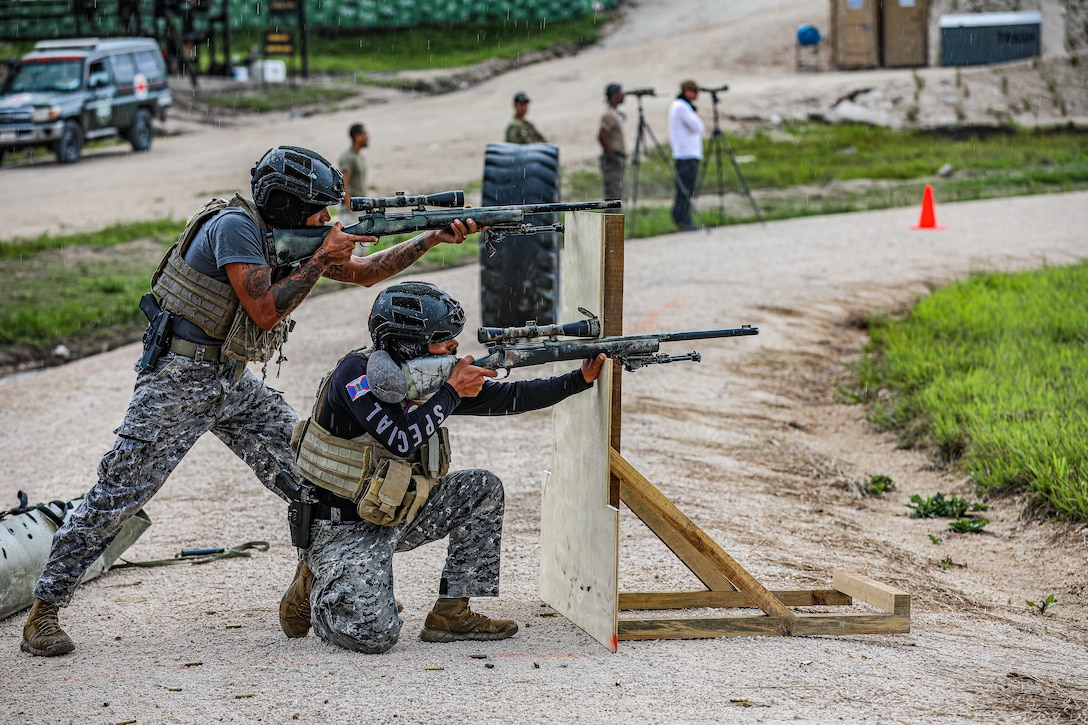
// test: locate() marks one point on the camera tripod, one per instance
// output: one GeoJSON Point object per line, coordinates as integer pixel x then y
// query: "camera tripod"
{"type": "Point", "coordinates": [644, 130]}
{"type": "Point", "coordinates": [717, 146]}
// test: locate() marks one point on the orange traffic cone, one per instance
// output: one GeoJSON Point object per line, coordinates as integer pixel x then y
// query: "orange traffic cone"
{"type": "Point", "coordinates": [929, 217]}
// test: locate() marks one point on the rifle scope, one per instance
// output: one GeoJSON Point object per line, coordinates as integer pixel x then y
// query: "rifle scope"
{"type": "Point", "coordinates": [581, 328]}
{"type": "Point", "coordinates": [448, 199]}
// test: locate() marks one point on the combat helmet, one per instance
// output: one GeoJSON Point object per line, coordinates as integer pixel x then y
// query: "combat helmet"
{"type": "Point", "coordinates": [408, 316]}
{"type": "Point", "coordinates": [290, 184]}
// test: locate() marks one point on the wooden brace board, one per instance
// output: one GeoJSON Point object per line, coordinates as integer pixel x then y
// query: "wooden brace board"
{"type": "Point", "coordinates": [580, 518]}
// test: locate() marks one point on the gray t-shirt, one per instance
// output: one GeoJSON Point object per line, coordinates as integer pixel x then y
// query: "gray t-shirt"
{"type": "Point", "coordinates": [228, 237]}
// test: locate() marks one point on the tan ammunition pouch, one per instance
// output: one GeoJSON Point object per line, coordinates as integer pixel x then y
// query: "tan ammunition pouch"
{"type": "Point", "coordinates": [210, 304]}
{"type": "Point", "coordinates": [386, 489]}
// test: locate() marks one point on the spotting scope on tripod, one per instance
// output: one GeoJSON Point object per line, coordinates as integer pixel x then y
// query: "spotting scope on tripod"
{"type": "Point", "coordinates": [718, 145]}
{"type": "Point", "coordinates": [644, 130]}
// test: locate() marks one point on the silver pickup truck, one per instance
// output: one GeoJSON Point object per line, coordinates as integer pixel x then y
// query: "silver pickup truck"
{"type": "Point", "coordinates": [66, 92]}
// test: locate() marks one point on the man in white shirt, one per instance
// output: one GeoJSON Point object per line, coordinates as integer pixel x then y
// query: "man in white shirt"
{"type": "Point", "coordinates": [686, 138]}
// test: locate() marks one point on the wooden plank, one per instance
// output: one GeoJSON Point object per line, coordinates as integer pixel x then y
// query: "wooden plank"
{"type": "Point", "coordinates": [872, 592]}
{"type": "Point", "coordinates": [802, 624]}
{"type": "Point", "coordinates": [691, 555]}
{"type": "Point", "coordinates": [611, 325]}
{"type": "Point", "coordinates": [579, 531]}
{"type": "Point", "coordinates": [681, 532]}
{"type": "Point", "coordinates": [704, 599]}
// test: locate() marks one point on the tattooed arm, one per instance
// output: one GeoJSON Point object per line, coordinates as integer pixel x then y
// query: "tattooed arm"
{"type": "Point", "coordinates": [268, 302]}
{"type": "Point", "coordinates": [382, 265]}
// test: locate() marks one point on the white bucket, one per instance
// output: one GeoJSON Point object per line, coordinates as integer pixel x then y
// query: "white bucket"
{"type": "Point", "coordinates": [270, 71]}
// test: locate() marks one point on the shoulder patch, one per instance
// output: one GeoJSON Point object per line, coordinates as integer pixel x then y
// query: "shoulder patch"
{"type": "Point", "coordinates": [358, 387]}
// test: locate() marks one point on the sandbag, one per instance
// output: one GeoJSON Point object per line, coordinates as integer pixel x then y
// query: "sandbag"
{"type": "Point", "coordinates": [26, 535]}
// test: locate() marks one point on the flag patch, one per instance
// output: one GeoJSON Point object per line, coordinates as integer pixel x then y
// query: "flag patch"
{"type": "Point", "coordinates": [357, 387]}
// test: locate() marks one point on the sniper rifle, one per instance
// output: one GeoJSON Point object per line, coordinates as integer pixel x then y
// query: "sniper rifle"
{"type": "Point", "coordinates": [515, 347]}
{"type": "Point", "coordinates": [293, 245]}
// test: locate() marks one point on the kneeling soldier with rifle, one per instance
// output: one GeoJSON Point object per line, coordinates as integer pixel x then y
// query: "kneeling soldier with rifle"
{"type": "Point", "coordinates": [376, 480]}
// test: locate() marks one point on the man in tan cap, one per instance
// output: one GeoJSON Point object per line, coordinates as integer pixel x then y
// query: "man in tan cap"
{"type": "Point", "coordinates": [686, 139]}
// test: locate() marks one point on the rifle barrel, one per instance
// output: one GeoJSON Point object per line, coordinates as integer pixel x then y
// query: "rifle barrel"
{"type": "Point", "coordinates": [741, 331]}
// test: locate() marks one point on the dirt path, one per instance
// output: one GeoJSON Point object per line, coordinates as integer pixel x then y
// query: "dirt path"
{"type": "Point", "coordinates": [751, 444]}
{"type": "Point", "coordinates": [422, 143]}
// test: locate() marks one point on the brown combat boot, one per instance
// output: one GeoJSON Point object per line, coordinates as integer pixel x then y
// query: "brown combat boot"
{"type": "Point", "coordinates": [295, 605]}
{"type": "Point", "coordinates": [42, 634]}
{"type": "Point", "coordinates": [452, 620]}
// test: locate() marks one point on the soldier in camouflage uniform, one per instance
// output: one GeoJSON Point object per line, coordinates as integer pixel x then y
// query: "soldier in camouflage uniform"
{"type": "Point", "coordinates": [227, 305]}
{"type": "Point", "coordinates": [519, 130]}
{"type": "Point", "coordinates": [613, 147]}
{"type": "Point", "coordinates": [344, 583]}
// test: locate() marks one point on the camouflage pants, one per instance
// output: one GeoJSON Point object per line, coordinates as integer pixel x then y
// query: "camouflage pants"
{"type": "Point", "coordinates": [171, 407]}
{"type": "Point", "coordinates": [352, 601]}
{"type": "Point", "coordinates": [612, 175]}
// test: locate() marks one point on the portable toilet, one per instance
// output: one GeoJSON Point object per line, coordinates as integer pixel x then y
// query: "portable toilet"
{"type": "Point", "coordinates": [855, 41]}
{"type": "Point", "coordinates": [905, 30]}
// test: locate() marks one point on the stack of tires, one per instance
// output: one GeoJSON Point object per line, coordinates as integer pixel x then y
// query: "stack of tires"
{"type": "Point", "coordinates": [520, 282]}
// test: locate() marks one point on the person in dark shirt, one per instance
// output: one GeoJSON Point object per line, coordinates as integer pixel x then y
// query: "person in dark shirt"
{"type": "Point", "coordinates": [380, 470]}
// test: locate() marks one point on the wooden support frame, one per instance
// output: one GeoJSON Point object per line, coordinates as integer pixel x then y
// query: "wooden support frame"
{"type": "Point", "coordinates": [580, 557]}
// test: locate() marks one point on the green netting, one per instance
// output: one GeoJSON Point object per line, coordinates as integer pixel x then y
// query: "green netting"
{"type": "Point", "coordinates": [57, 18]}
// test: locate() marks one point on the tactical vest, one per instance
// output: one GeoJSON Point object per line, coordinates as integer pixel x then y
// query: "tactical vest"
{"type": "Point", "coordinates": [211, 305]}
{"type": "Point", "coordinates": [385, 488]}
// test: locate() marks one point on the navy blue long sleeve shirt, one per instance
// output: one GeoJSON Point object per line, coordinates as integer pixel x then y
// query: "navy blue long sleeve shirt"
{"type": "Point", "coordinates": [351, 409]}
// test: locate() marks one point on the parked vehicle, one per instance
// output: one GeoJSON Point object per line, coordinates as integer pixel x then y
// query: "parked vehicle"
{"type": "Point", "coordinates": [66, 92]}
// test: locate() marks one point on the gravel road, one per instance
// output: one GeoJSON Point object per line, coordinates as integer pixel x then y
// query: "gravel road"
{"type": "Point", "coordinates": [750, 444]}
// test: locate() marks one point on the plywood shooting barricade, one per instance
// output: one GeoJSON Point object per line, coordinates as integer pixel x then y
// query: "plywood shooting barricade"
{"type": "Point", "coordinates": [579, 571]}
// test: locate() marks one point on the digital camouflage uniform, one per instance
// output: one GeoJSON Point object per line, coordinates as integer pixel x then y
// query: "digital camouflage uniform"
{"type": "Point", "coordinates": [352, 602]}
{"type": "Point", "coordinates": [172, 405]}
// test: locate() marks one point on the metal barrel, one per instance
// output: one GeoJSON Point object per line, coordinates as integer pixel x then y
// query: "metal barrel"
{"type": "Point", "coordinates": [741, 331]}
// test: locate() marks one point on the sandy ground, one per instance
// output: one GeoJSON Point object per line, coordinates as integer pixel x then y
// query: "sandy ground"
{"type": "Point", "coordinates": [750, 444]}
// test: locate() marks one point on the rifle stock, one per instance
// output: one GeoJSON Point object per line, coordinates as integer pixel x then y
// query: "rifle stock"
{"type": "Point", "coordinates": [293, 245]}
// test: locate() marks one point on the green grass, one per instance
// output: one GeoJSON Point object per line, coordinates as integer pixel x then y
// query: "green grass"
{"type": "Point", "coordinates": [1010, 163]}
{"type": "Point", "coordinates": [385, 50]}
{"type": "Point", "coordinates": [991, 371]}
{"type": "Point", "coordinates": [811, 169]}
{"type": "Point", "coordinates": [83, 290]}
{"type": "Point", "coordinates": [281, 98]}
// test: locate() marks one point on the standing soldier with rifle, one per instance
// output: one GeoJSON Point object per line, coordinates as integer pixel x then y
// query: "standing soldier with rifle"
{"type": "Point", "coordinates": [218, 301]}
{"type": "Point", "coordinates": [377, 481]}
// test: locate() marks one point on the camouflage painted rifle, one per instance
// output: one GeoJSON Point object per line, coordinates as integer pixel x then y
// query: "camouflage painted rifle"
{"type": "Point", "coordinates": [515, 347]}
{"type": "Point", "coordinates": [292, 245]}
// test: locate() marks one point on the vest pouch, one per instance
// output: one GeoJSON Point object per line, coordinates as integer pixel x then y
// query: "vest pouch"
{"type": "Point", "coordinates": [434, 455]}
{"type": "Point", "coordinates": [297, 434]}
{"type": "Point", "coordinates": [387, 499]}
{"type": "Point", "coordinates": [334, 464]}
